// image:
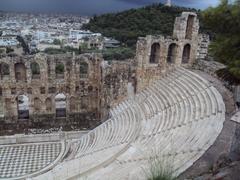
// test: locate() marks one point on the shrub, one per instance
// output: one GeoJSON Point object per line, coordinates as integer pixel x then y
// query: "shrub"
{"type": "Point", "coordinates": [120, 53]}
{"type": "Point", "coordinates": [59, 68]}
{"type": "Point", "coordinates": [159, 167]}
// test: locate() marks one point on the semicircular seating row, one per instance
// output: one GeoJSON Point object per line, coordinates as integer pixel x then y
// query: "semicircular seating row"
{"type": "Point", "coordinates": [177, 118]}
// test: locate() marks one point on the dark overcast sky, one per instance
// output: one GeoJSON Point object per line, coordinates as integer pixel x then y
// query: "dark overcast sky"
{"type": "Point", "coordinates": [90, 7]}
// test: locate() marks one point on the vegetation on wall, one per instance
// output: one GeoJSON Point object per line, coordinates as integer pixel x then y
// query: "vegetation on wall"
{"type": "Point", "coordinates": [23, 44]}
{"type": "Point", "coordinates": [224, 23]}
{"type": "Point", "coordinates": [120, 53]}
{"type": "Point", "coordinates": [128, 25]}
{"type": "Point", "coordinates": [60, 68]}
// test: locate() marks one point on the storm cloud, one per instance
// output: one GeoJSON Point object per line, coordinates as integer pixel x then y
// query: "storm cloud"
{"type": "Point", "coordinates": [90, 7]}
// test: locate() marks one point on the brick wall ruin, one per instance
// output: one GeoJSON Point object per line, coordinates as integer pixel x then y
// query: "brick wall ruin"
{"type": "Point", "coordinates": [76, 92]}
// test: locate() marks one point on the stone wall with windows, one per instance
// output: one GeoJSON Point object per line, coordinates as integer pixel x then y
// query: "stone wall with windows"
{"type": "Point", "coordinates": [77, 92]}
{"type": "Point", "coordinates": [156, 55]}
{"type": "Point", "coordinates": [45, 91]}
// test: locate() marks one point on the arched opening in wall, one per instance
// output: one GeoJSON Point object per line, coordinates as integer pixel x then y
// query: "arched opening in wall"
{"type": "Point", "coordinates": [37, 104]}
{"type": "Point", "coordinates": [84, 102]}
{"type": "Point", "coordinates": [189, 28]}
{"type": "Point", "coordinates": [48, 103]}
{"type": "Point", "coordinates": [83, 70]}
{"type": "Point", "coordinates": [23, 107]}
{"type": "Point", "coordinates": [172, 53]}
{"type": "Point", "coordinates": [4, 70]}
{"type": "Point", "coordinates": [186, 54]}
{"type": "Point", "coordinates": [155, 53]}
{"type": "Point", "coordinates": [73, 104]}
{"type": "Point", "coordinates": [20, 72]}
{"type": "Point", "coordinates": [35, 69]}
{"type": "Point", "coordinates": [59, 70]}
{"type": "Point", "coordinates": [60, 103]}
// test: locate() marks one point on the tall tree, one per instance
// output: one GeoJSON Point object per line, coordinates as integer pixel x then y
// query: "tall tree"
{"type": "Point", "coordinates": [224, 22]}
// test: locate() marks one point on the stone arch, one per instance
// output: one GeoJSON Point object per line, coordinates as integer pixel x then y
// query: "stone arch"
{"type": "Point", "coordinates": [35, 69]}
{"type": "Point", "coordinates": [20, 72]}
{"type": "Point", "coordinates": [172, 53]}
{"type": "Point", "coordinates": [4, 70]}
{"type": "Point", "coordinates": [189, 28]}
{"type": "Point", "coordinates": [186, 54]}
{"type": "Point", "coordinates": [60, 104]}
{"type": "Point", "coordinates": [155, 53]}
{"type": "Point", "coordinates": [59, 70]}
{"type": "Point", "coordinates": [73, 104]}
{"type": "Point", "coordinates": [84, 70]}
{"type": "Point", "coordinates": [23, 107]}
{"type": "Point", "coordinates": [48, 104]}
{"type": "Point", "coordinates": [37, 104]}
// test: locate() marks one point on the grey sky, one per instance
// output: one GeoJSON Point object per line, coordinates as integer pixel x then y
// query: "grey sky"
{"type": "Point", "coordinates": [90, 7]}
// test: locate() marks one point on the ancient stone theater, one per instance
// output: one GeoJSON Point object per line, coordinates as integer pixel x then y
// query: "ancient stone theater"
{"type": "Point", "coordinates": [153, 106]}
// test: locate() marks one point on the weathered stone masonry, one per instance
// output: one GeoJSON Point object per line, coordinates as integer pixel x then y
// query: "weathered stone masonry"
{"type": "Point", "coordinates": [43, 91]}
{"type": "Point", "coordinates": [77, 92]}
{"type": "Point", "coordinates": [158, 54]}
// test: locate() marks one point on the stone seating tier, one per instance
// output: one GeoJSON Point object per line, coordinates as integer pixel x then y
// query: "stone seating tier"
{"type": "Point", "coordinates": [176, 119]}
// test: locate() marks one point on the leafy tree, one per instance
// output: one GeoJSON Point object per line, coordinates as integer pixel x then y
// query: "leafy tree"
{"type": "Point", "coordinates": [2, 51]}
{"type": "Point", "coordinates": [224, 23]}
{"type": "Point", "coordinates": [57, 42]}
{"type": "Point", "coordinates": [23, 44]}
{"type": "Point", "coordinates": [128, 25]}
{"type": "Point", "coordinates": [54, 51]}
{"type": "Point", "coordinates": [9, 50]}
{"type": "Point", "coordinates": [59, 68]}
{"type": "Point", "coordinates": [120, 53]}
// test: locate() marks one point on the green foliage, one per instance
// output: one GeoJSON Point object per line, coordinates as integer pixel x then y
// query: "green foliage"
{"type": "Point", "coordinates": [54, 51]}
{"type": "Point", "coordinates": [62, 50]}
{"type": "Point", "coordinates": [83, 68]}
{"type": "Point", "coordinates": [160, 169]}
{"type": "Point", "coordinates": [35, 68]}
{"type": "Point", "coordinates": [127, 26]}
{"type": "Point", "coordinates": [23, 44]}
{"type": "Point", "coordinates": [60, 68]}
{"type": "Point", "coordinates": [4, 69]}
{"type": "Point", "coordinates": [120, 53]}
{"type": "Point", "coordinates": [9, 50]}
{"type": "Point", "coordinates": [57, 42]}
{"type": "Point", "coordinates": [224, 22]}
{"type": "Point", "coordinates": [2, 51]}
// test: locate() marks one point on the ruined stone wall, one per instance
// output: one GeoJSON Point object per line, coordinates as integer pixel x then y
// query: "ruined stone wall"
{"type": "Point", "coordinates": [118, 75]}
{"type": "Point", "coordinates": [203, 43]}
{"type": "Point", "coordinates": [42, 80]}
{"type": "Point", "coordinates": [77, 92]}
{"type": "Point", "coordinates": [156, 55]}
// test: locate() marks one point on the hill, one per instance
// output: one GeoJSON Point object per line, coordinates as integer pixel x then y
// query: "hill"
{"type": "Point", "coordinates": [128, 25]}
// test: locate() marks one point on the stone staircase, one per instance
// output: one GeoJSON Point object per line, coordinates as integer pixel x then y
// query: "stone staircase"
{"type": "Point", "coordinates": [177, 119]}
